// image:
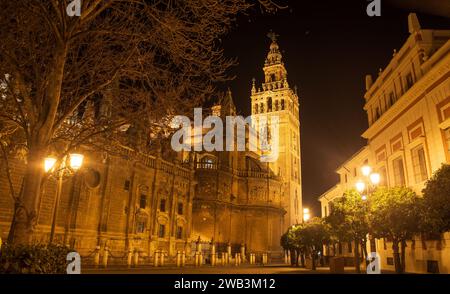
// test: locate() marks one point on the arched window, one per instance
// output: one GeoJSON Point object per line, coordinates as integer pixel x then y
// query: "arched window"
{"type": "Point", "coordinates": [296, 203]}
{"type": "Point", "coordinates": [261, 108]}
{"type": "Point", "coordinates": [180, 208]}
{"type": "Point", "coordinates": [162, 205]}
{"type": "Point", "coordinates": [272, 77]}
{"type": "Point", "coordinates": [269, 104]}
{"type": "Point", "coordinates": [282, 104]}
{"type": "Point", "coordinates": [256, 108]}
{"type": "Point", "coordinates": [276, 105]}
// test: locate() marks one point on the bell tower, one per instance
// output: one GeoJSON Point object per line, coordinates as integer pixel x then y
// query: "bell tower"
{"type": "Point", "coordinates": [275, 98]}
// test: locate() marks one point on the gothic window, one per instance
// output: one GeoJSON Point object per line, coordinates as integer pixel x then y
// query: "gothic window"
{"type": "Point", "coordinates": [256, 108]}
{"type": "Point", "coordinates": [269, 104]}
{"type": "Point", "coordinates": [162, 231]}
{"type": "Point", "coordinates": [162, 205]}
{"type": "Point", "coordinates": [296, 203]}
{"type": "Point", "coordinates": [179, 232]}
{"type": "Point", "coordinates": [126, 185]}
{"type": "Point", "coordinates": [143, 201]}
{"type": "Point", "coordinates": [180, 208]}
{"type": "Point", "coordinates": [282, 104]}
{"type": "Point", "coordinates": [261, 108]}
{"type": "Point", "coordinates": [276, 105]}
{"type": "Point", "coordinates": [140, 227]}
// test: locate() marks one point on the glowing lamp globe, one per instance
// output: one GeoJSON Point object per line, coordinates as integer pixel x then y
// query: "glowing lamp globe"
{"type": "Point", "coordinates": [76, 161]}
{"type": "Point", "coordinates": [49, 164]}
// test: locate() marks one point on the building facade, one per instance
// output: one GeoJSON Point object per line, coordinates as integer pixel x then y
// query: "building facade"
{"type": "Point", "coordinates": [408, 109]}
{"type": "Point", "coordinates": [143, 203]}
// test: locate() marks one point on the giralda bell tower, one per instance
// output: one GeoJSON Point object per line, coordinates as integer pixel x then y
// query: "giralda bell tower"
{"type": "Point", "coordinates": [275, 98]}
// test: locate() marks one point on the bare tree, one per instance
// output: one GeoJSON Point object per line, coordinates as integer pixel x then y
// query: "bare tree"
{"type": "Point", "coordinates": [122, 67]}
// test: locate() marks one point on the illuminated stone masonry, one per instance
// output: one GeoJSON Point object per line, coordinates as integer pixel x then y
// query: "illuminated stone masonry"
{"type": "Point", "coordinates": [142, 204]}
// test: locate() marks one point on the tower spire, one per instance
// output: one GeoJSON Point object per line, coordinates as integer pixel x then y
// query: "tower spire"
{"type": "Point", "coordinates": [413, 23]}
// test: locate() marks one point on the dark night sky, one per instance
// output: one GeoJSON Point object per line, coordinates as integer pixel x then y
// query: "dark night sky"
{"type": "Point", "coordinates": [328, 48]}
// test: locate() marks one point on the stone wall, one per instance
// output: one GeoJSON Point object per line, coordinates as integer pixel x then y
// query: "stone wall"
{"type": "Point", "coordinates": [113, 202]}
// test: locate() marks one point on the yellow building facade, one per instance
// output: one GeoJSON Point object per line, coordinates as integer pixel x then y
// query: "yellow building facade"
{"type": "Point", "coordinates": [408, 139]}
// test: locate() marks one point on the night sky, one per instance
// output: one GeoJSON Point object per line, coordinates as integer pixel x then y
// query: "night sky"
{"type": "Point", "coordinates": [328, 47]}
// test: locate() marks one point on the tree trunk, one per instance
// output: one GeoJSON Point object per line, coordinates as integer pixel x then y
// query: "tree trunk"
{"type": "Point", "coordinates": [41, 132]}
{"type": "Point", "coordinates": [397, 263]}
{"type": "Point", "coordinates": [364, 251]}
{"type": "Point", "coordinates": [357, 260]}
{"type": "Point", "coordinates": [26, 213]}
{"type": "Point", "coordinates": [294, 257]}
{"type": "Point", "coordinates": [302, 258]}
{"type": "Point", "coordinates": [403, 255]}
{"type": "Point", "coordinates": [313, 260]}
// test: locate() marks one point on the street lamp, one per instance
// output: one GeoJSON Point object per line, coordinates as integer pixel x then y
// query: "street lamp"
{"type": "Point", "coordinates": [75, 163]}
{"type": "Point", "coordinates": [49, 163]}
{"type": "Point", "coordinates": [306, 214]}
{"type": "Point", "coordinates": [366, 170]}
{"type": "Point", "coordinates": [370, 181]}
{"type": "Point", "coordinates": [360, 186]}
{"type": "Point", "coordinates": [375, 178]}
{"type": "Point", "coordinates": [367, 185]}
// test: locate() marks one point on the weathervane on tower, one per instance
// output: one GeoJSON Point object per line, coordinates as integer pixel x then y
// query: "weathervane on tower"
{"type": "Point", "coordinates": [273, 36]}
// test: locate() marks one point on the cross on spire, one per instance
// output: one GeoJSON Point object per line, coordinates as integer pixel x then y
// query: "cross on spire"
{"type": "Point", "coordinates": [273, 36]}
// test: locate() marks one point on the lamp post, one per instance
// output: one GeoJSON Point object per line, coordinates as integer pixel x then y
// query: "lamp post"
{"type": "Point", "coordinates": [369, 182]}
{"type": "Point", "coordinates": [75, 163]}
{"type": "Point", "coordinates": [306, 215]}
{"type": "Point", "coordinates": [367, 185]}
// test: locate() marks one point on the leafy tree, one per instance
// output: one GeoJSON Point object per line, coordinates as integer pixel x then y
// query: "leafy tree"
{"type": "Point", "coordinates": [133, 63]}
{"type": "Point", "coordinates": [291, 241]}
{"type": "Point", "coordinates": [436, 198]}
{"type": "Point", "coordinates": [395, 214]}
{"type": "Point", "coordinates": [313, 235]}
{"type": "Point", "coordinates": [349, 222]}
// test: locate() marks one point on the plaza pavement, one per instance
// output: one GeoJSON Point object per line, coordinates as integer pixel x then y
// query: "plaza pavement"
{"type": "Point", "coordinates": [242, 269]}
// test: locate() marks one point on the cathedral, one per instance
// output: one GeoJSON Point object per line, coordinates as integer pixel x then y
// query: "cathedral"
{"type": "Point", "coordinates": [144, 203]}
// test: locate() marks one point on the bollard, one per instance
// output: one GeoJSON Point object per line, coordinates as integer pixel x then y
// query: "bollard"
{"type": "Point", "coordinates": [242, 253]}
{"type": "Point", "coordinates": [162, 258]}
{"type": "Point", "coordinates": [213, 255]}
{"type": "Point", "coordinates": [97, 256]}
{"type": "Point", "coordinates": [136, 258]}
{"type": "Point", "coordinates": [129, 257]}
{"type": "Point", "coordinates": [178, 258]}
{"type": "Point", "coordinates": [285, 257]}
{"type": "Point", "coordinates": [289, 257]}
{"type": "Point", "coordinates": [183, 258]}
{"type": "Point", "coordinates": [105, 257]}
{"type": "Point", "coordinates": [197, 258]}
{"type": "Point", "coordinates": [155, 258]}
{"type": "Point", "coordinates": [251, 258]}
{"type": "Point", "coordinates": [236, 259]}
{"type": "Point", "coordinates": [222, 258]}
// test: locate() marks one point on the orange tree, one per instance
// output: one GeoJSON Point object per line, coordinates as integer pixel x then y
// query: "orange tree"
{"type": "Point", "coordinates": [395, 214]}
{"type": "Point", "coordinates": [349, 221]}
